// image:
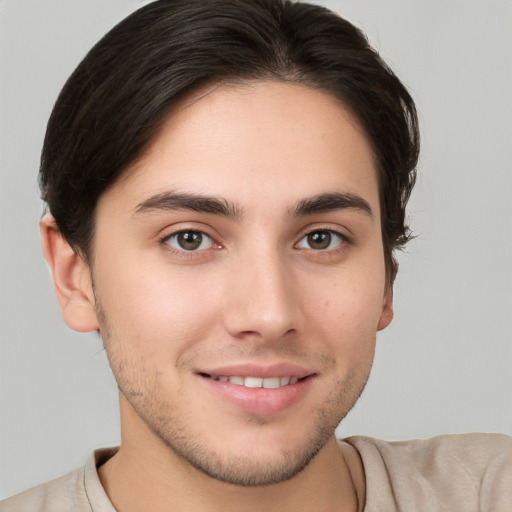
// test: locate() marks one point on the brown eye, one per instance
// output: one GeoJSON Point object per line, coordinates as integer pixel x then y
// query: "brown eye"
{"type": "Point", "coordinates": [321, 240]}
{"type": "Point", "coordinates": [190, 241]}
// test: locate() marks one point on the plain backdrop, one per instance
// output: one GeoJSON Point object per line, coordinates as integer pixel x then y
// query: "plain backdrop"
{"type": "Point", "coordinates": [444, 366]}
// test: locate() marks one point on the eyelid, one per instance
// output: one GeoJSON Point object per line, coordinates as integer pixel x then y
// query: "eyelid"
{"type": "Point", "coordinates": [344, 238]}
{"type": "Point", "coordinates": [185, 227]}
{"type": "Point", "coordinates": [209, 241]}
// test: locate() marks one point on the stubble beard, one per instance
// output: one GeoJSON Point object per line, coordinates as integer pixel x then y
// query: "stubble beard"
{"type": "Point", "coordinates": [140, 388]}
{"type": "Point", "coordinates": [239, 469]}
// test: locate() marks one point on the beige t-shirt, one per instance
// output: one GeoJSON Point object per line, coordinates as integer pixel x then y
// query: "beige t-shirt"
{"type": "Point", "coordinates": [453, 473]}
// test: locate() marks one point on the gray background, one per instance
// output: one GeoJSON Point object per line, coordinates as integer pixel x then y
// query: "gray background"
{"type": "Point", "coordinates": [445, 363]}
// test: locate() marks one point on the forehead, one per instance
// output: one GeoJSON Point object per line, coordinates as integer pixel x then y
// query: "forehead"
{"type": "Point", "coordinates": [262, 141]}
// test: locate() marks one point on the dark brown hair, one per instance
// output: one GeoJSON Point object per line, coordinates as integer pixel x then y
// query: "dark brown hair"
{"type": "Point", "coordinates": [114, 103]}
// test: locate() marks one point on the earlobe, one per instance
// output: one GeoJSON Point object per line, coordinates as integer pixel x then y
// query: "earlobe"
{"type": "Point", "coordinates": [387, 310]}
{"type": "Point", "coordinates": [71, 278]}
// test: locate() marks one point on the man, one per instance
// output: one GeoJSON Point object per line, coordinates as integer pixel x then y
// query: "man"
{"type": "Point", "coordinates": [226, 184]}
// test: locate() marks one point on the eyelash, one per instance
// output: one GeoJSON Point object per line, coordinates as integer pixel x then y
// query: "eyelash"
{"type": "Point", "coordinates": [189, 253]}
{"type": "Point", "coordinates": [343, 240]}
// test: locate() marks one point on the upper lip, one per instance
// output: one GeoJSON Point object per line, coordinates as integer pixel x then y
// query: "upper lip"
{"type": "Point", "coordinates": [259, 370]}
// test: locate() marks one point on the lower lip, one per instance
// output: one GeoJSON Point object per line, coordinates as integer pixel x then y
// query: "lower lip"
{"type": "Point", "coordinates": [260, 401]}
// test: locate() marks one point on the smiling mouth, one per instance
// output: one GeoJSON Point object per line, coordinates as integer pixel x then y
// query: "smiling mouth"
{"type": "Point", "coordinates": [256, 382]}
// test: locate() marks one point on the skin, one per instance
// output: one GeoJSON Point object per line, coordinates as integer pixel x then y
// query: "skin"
{"type": "Point", "coordinates": [259, 290]}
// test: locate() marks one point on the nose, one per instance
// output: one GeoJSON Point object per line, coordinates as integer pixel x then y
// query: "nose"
{"type": "Point", "coordinates": [261, 300]}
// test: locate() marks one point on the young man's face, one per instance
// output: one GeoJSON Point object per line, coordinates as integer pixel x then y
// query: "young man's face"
{"type": "Point", "coordinates": [244, 249]}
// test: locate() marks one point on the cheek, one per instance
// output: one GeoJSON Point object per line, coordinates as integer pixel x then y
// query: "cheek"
{"type": "Point", "coordinates": [347, 314]}
{"type": "Point", "coordinates": [157, 313]}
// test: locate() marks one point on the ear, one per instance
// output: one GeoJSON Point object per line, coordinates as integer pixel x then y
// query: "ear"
{"type": "Point", "coordinates": [387, 309]}
{"type": "Point", "coordinates": [71, 278]}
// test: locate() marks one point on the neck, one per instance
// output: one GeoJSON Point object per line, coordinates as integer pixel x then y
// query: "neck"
{"type": "Point", "coordinates": [146, 475]}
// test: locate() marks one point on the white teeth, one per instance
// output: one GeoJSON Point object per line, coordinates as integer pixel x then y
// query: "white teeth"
{"type": "Point", "coordinates": [253, 382]}
{"type": "Point", "coordinates": [272, 382]}
{"type": "Point", "coordinates": [257, 382]}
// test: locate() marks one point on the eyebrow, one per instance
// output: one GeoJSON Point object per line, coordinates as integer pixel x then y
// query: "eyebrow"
{"type": "Point", "coordinates": [175, 201]}
{"type": "Point", "coordinates": [329, 202]}
{"type": "Point", "coordinates": [321, 203]}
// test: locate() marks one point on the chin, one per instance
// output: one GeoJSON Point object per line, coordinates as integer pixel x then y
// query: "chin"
{"type": "Point", "coordinates": [264, 453]}
{"type": "Point", "coordinates": [252, 465]}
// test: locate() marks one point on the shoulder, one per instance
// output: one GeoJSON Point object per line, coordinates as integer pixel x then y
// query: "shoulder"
{"type": "Point", "coordinates": [50, 496]}
{"type": "Point", "coordinates": [474, 449]}
{"type": "Point", "coordinates": [468, 471]}
{"type": "Point", "coordinates": [78, 491]}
